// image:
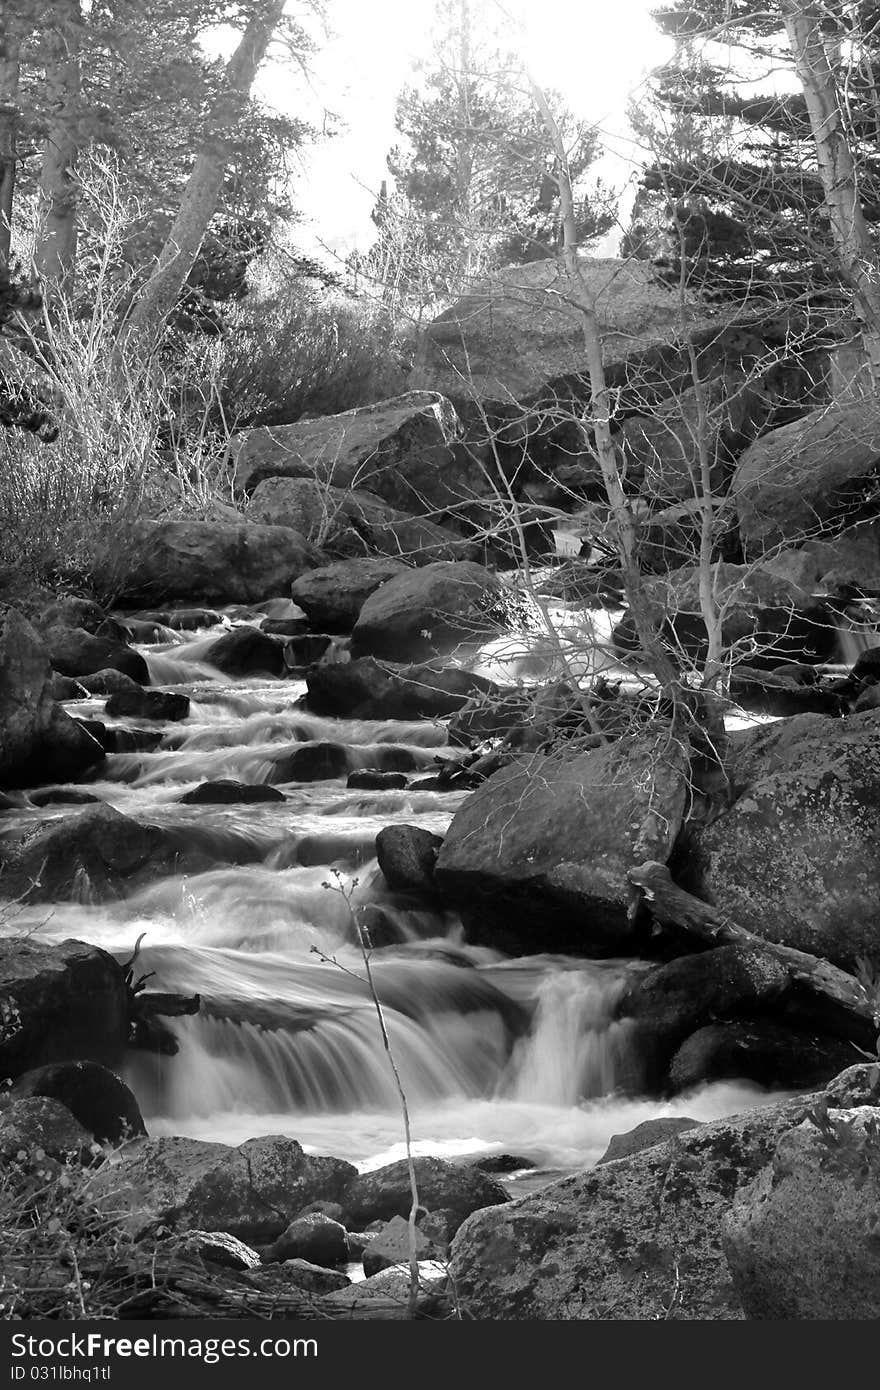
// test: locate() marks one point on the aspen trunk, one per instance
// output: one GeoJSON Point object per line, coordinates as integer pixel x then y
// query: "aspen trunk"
{"type": "Point", "coordinates": [10, 63]}
{"type": "Point", "coordinates": [836, 169]}
{"type": "Point", "coordinates": [202, 191]}
{"type": "Point", "coordinates": [55, 253]}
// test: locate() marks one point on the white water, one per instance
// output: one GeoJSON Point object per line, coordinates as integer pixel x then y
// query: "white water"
{"type": "Point", "coordinates": [496, 1055]}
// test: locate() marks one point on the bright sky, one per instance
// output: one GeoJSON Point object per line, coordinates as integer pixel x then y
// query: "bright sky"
{"type": "Point", "coordinates": [595, 52]}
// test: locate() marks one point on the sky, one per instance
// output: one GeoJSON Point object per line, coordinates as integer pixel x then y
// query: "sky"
{"type": "Point", "coordinates": [595, 52]}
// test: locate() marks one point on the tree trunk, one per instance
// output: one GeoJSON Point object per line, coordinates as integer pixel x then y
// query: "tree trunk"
{"type": "Point", "coordinates": [55, 253]}
{"type": "Point", "coordinates": [202, 191]}
{"type": "Point", "coordinates": [837, 169]}
{"type": "Point", "coordinates": [10, 64]}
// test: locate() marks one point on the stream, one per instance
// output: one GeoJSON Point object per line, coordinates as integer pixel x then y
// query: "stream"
{"type": "Point", "coordinates": [497, 1055]}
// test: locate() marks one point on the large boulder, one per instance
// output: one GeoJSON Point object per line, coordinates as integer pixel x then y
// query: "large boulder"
{"type": "Point", "coordinates": [796, 858]}
{"type": "Point", "coordinates": [252, 1192]}
{"type": "Point", "coordinates": [97, 855]}
{"type": "Point", "coordinates": [809, 477]}
{"type": "Point", "coordinates": [429, 611]}
{"type": "Point", "coordinates": [635, 1239]}
{"type": "Point", "coordinates": [757, 1050]}
{"type": "Point", "coordinates": [314, 1237]}
{"type": "Point", "coordinates": [246, 651]}
{"type": "Point", "coordinates": [204, 561]}
{"type": "Point", "coordinates": [453, 1188]}
{"type": "Point", "coordinates": [801, 1239]}
{"type": "Point", "coordinates": [398, 449]}
{"type": "Point", "coordinates": [39, 742]}
{"type": "Point", "coordinates": [75, 652]}
{"type": "Point", "coordinates": [407, 857]}
{"type": "Point", "coordinates": [93, 1094]}
{"type": "Point", "coordinates": [537, 858]}
{"type": "Point", "coordinates": [36, 1123]}
{"type": "Point", "coordinates": [369, 689]}
{"type": "Point", "coordinates": [159, 705]}
{"type": "Point", "coordinates": [58, 1002]}
{"type": "Point", "coordinates": [334, 595]}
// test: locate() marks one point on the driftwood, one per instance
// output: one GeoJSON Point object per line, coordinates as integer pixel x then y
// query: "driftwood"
{"type": "Point", "coordinates": [673, 906]}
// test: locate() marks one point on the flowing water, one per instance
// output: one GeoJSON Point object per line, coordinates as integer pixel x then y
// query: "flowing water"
{"type": "Point", "coordinates": [496, 1055]}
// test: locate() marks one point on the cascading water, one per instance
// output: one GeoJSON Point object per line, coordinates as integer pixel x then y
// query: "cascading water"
{"type": "Point", "coordinates": [495, 1054]}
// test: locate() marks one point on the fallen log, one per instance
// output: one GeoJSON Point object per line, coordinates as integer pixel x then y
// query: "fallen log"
{"type": "Point", "coordinates": [674, 906]}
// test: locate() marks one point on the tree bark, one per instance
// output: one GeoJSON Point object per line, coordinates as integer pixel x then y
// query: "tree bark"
{"type": "Point", "coordinates": [10, 65]}
{"type": "Point", "coordinates": [673, 906]}
{"type": "Point", "coordinates": [55, 253]}
{"type": "Point", "coordinates": [837, 169]}
{"type": "Point", "coordinates": [200, 197]}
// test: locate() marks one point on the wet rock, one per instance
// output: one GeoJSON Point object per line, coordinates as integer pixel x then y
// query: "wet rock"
{"type": "Point", "coordinates": [66, 688]}
{"type": "Point", "coordinates": [334, 595]}
{"type": "Point", "coordinates": [391, 1246]}
{"type": "Point", "coordinates": [503, 1163]}
{"type": "Point", "coordinates": [306, 650]}
{"type": "Point", "coordinates": [809, 474]}
{"type": "Point", "coordinates": [74, 652]}
{"type": "Point", "coordinates": [182, 619]}
{"type": "Point", "coordinates": [313, 1237]}
{"type": "Point", "coordinates": [93, 1094]}
{"type": "Point", "coordinates": [645, 1136]}
{"type": "Point", "coordinates": [429, 611]}
{"type": "Point", "coordinates": [801, 1239]}
{"type": "Point", "coordinates": [39, 741]}
{"type": "Point", "coordinates": [407, 857]}
{"type": "Point", "coordinates": [58, 1002]}
{"type": "Point", "coordinates": [385, 1192]}
{"type": "Point", "coordinates": [637, 1239]}
{"type": "Point", "coordinates": [796, 858]}
{"type": "Point", "coordinates": [72, 612]}
{"type": "Point", "coordinates": [285, 627]}
{"type": "Point", "coordinates": [39, 1123]}
{"type": "Point", "coordinates": [208, 561]}
{"type": "Point", "coordinates": [867, 666]}
{"type": "Point", "coordinates": [369, 779]}
{"type": "Point", "coordinates": [159, 705]}
{"type": "Point", "coordinates": [757, 1050]}
{"type": "Point", "coordinates": [782, 694]}
{"type": "Point", "coordinates": [368, 689]}
{"type": "Point", "coordinates": [251, 1192]}
{"type": "Point", "coordinates": [63, 796]}
{"type": "Point", "coordinates": [247, 651]}
{"type": "Point", "coordinates": [230, 793]}
{"type": "Point", "coordinates": [320, 762]}
{"type": "Point", "coordinates": [109, 683]}
{"type": "Point", "coordinates": [536, 859]}
{"type": "Point", "coordinates": [95, 856]}
{"type": "Point", "coordinates": [122, 740]}
{"type": "Point", "coordinates": [314, 1278]}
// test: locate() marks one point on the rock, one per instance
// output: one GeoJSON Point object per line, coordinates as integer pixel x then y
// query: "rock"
{"type": "Point", "coordinates": [58, 1002]}
{"type": "Point", "coordinates": [122, 740]}
{"type": "Point", "coordinates": [39, 741]}
{"type": "Point", "coordinates": [796, 858]}
{"type": "Point", "coordinates": [536, 859]}
{"type": "Point", "coordinates": [637, 1239]}
{"type": "Point", "coordinates": [777, 693]}
{"type": "Point", "coordinates": [282, 610]}
{"type": "Point", "coordinates": [645, 1136]}
{"type": "Point", "coordinates": [110, 683]}
{"type": "Point", "coordinates": [429, 611]}
{"type": "Point", "coordinates": [320, 762]}
{"type": "Point", "coordinates": [230, 793]}
{"type": "Point", "coordinates": [285, 627]}
{"type": "Point", "coordinates": [314, 1278]}
{"type": "Point", "coordinates": [391, 1246]}
{"type": "Point", "coordinates": [205, 561]}
{"type": "Point", "coordinates": [398, 449]}
{"type": "Point", "coordinates": [251, 1192]}
{"type": "Point", "coordinates": [661, 450]}
{"type": "Point", "coordinates": [670, 1002]}
{"type": "Point", "coordinates": [334, 595]}
{"type": "Point", "coordinates": [94, 856]}
{"type": "Point", "coordinates": [385, 1192]}
{"type": "Point", "coordinates": [801, 1239]}
{"type": "Point", "coordinates": [246, 651]}
{"type": "Point", "coordinates": [93, 1094]}
{"type": "Point", "coordinates": [66, 688]}
{"type": "Point", "coordinates": [377, 1296]}
{"type": "Point", "coordinates": [867, 665]}
{"type": "Point", "coordinates": [159, 705]}
{"type": "Point", "coordinates": [368, 689]}
{"type": "Point", "coordinates": [218, 1248]}
{"type": "Point", "coordinates": [314, 1237]}
{"type": "Point", "coordinates": [74, 652]}
{"type": "Point", "coordinates": [39, 1123]}
{"type": "Point", "coordinates": [807, 477]}
{"type": "Point", "coordinates": [73, 612]}
{"type": "Point", "coordinates": [503, 1163]}
{"type": "Point", "coordinates": [784, 622]}
{"type": "Point", "coordinates": [756, 1050]}
{"type": "Point", "coordinates": [183, 619]}
{"type": "Point", "coordinates": [63, 796]}
{"type": "Point", "coordinates": [307, 649]}
{"type": "Point", "coordinates": [858, 1085]}
{"type": "Point", "coordinates": [368, 779]}
{"type": "Point", "coordinates": [407, 857]}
